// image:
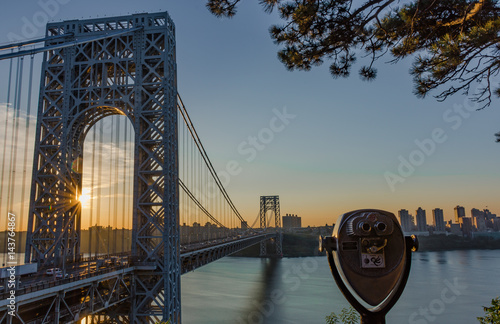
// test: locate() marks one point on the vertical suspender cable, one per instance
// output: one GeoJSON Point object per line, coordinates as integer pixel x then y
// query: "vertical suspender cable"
{"type": "Point", "coordinates": [26, 136]}
{"type": "Point", "coordinates": [186, 212]}
{"type": "Point", "coordinates": [190, 177]}
{"type": "Point", "coordinates": [4, 151]}
{"type": "Point", "coordinates": [188, 180]}
{"type": "Point", "coordinates": [186, 177]}
{"type": "Point", "coordinates": [124, 169]}
{"type": "Point", "coordinates": [132, 180]}
{"type": "Point", "coordinates": [180, 140]}
{"type": "Point", "coordinates": [198, 214]}
{"type": "Point", "coordinates": [115, 214]}
{"type": "Point", "coordinates": [99, 189]}
{"type": "Point", "coordinates": [110, 192]}
{"type": "Point", "coordinates": [131, 183]}
{"type": "Point", "coordinates": [197, 188]}
{"type": "Point", "coordinates": [92, 184]}
{"type": "Point", "coordinates": [15, 133]}
{"type": "Point", "coordinates": [179, 162]}
{"type": "Point", "coordinates": [13, 141]}
{"type": "Point", "coordinates": [7, 111]}
{"type": "Point", "coordinates": [195, 184]}
{"type": "Point", "coordinates": [196, 181]}
{"type": "Point", "coordinates": [193, 177]}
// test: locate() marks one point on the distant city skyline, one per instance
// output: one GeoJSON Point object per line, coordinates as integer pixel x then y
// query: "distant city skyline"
{"type": "Point", "coordinates": [476, 218]}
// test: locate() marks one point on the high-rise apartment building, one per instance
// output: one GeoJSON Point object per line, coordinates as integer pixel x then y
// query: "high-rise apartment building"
{"type": "Point", "coordinates": [405, 220]}
{"type": "Point", "coordinates": [459, 213]}
{"type": "Point", "coordinates": [474, 212]}
{"type": "Point", "coordinates": [478, 219]}
{"type": "Point", "coordinates": [438, 220]}
{"type": "Point", "coordinates": [421, 220]}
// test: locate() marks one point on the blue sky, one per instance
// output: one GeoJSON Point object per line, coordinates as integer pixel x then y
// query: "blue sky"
{"type": "Point", "coordinates": [347, 134]}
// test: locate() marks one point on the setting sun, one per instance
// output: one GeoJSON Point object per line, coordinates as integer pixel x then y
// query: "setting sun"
{"type": "Point", "coordinates": [85, 197]}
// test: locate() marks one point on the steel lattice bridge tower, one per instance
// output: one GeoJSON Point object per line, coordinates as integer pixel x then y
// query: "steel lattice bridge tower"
{"type": "Point", "coordinates": [271, 203]}
{"type": "Point", "coordinates": [128, 69]}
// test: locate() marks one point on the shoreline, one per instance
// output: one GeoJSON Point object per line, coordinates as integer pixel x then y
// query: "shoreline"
{"type": "Point", "coordinates": [306, 245]}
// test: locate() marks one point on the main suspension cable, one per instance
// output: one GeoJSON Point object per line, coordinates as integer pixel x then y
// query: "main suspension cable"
{"type": "Point", "coordinates": [190, 194]}
{"type": "Point", "coordinates": [204, 155]}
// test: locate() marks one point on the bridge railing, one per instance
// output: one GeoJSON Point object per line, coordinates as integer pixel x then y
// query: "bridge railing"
{"type": "Point", "coordinates": [105, 256]}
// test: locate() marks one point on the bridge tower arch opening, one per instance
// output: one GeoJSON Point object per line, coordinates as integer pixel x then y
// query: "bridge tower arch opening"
{"type": "Point", "coordinates": [107, 188]}
{"type": "Point", "coordinates": [124, 65]}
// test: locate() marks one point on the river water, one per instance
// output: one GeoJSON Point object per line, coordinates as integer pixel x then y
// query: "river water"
{"type": "Point", "coordinates": [443, 287]}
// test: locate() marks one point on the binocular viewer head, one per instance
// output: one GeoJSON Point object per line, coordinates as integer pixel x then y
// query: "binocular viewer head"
{"type": "Point", "coordinates": [369, 257]}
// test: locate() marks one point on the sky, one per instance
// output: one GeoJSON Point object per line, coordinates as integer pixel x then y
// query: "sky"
{"type": "Point", "coordinates": [325, 146]}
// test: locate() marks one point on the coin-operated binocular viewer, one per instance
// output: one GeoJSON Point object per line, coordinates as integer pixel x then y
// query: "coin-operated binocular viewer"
{"type": "Point", "coordinates": [370, 259]}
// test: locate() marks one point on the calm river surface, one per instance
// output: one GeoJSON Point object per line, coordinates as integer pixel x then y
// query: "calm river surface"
{"type": "Point", "coordinates": [444, 287]}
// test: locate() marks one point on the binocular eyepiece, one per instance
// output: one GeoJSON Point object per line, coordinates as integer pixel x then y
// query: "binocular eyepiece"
{"type": "Point", "coordinates": [370, 223]}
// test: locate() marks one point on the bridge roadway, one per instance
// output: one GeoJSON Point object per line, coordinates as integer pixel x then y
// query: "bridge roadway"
{"type": "Point", "coordinates": [94, 284]}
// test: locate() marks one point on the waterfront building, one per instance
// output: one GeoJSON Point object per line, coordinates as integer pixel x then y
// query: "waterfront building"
{"type": "Point", "coordinates": [478, 219]}
{"type": "Point", "coordinates": [405, 219]}
{"type": "Point", "coordinates": [459, 212]}
{"type": "Point", "coordinates": [438, 220]}
{"type": "Point", "coordinates": [455, 229]}
{"type": "Point", "coordinates": [474, 212]}
{"type": "Point", "coordinates": [421, 220]}
{"type": "Point", "coordinates": [466, 226]}
{"type": "Point", "coordinates": [496, 224]}
{"type": "Point", "coordinates": [291, 221]}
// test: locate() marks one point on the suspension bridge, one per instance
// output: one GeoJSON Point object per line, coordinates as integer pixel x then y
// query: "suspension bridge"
{"type": "Point", "coordinates": [106, 186]}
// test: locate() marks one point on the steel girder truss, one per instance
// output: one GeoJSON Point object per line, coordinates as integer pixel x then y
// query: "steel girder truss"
{"type": "Point", "coordinates": [271, 203]}
{"type": "Point", "coordinates": [100, 300]}
{"type": "Point", "coordinates": [132, 74]}
{"type": "Point", "coordinates": [195, 259]}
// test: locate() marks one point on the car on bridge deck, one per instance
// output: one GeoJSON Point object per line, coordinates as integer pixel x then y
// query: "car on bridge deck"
{"type": "Point", "coordinates": [60, 276]}
{"type": "Point", "coordinates": [53, 271]}
{"type": "Point", "coordinates": [115, 261]}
